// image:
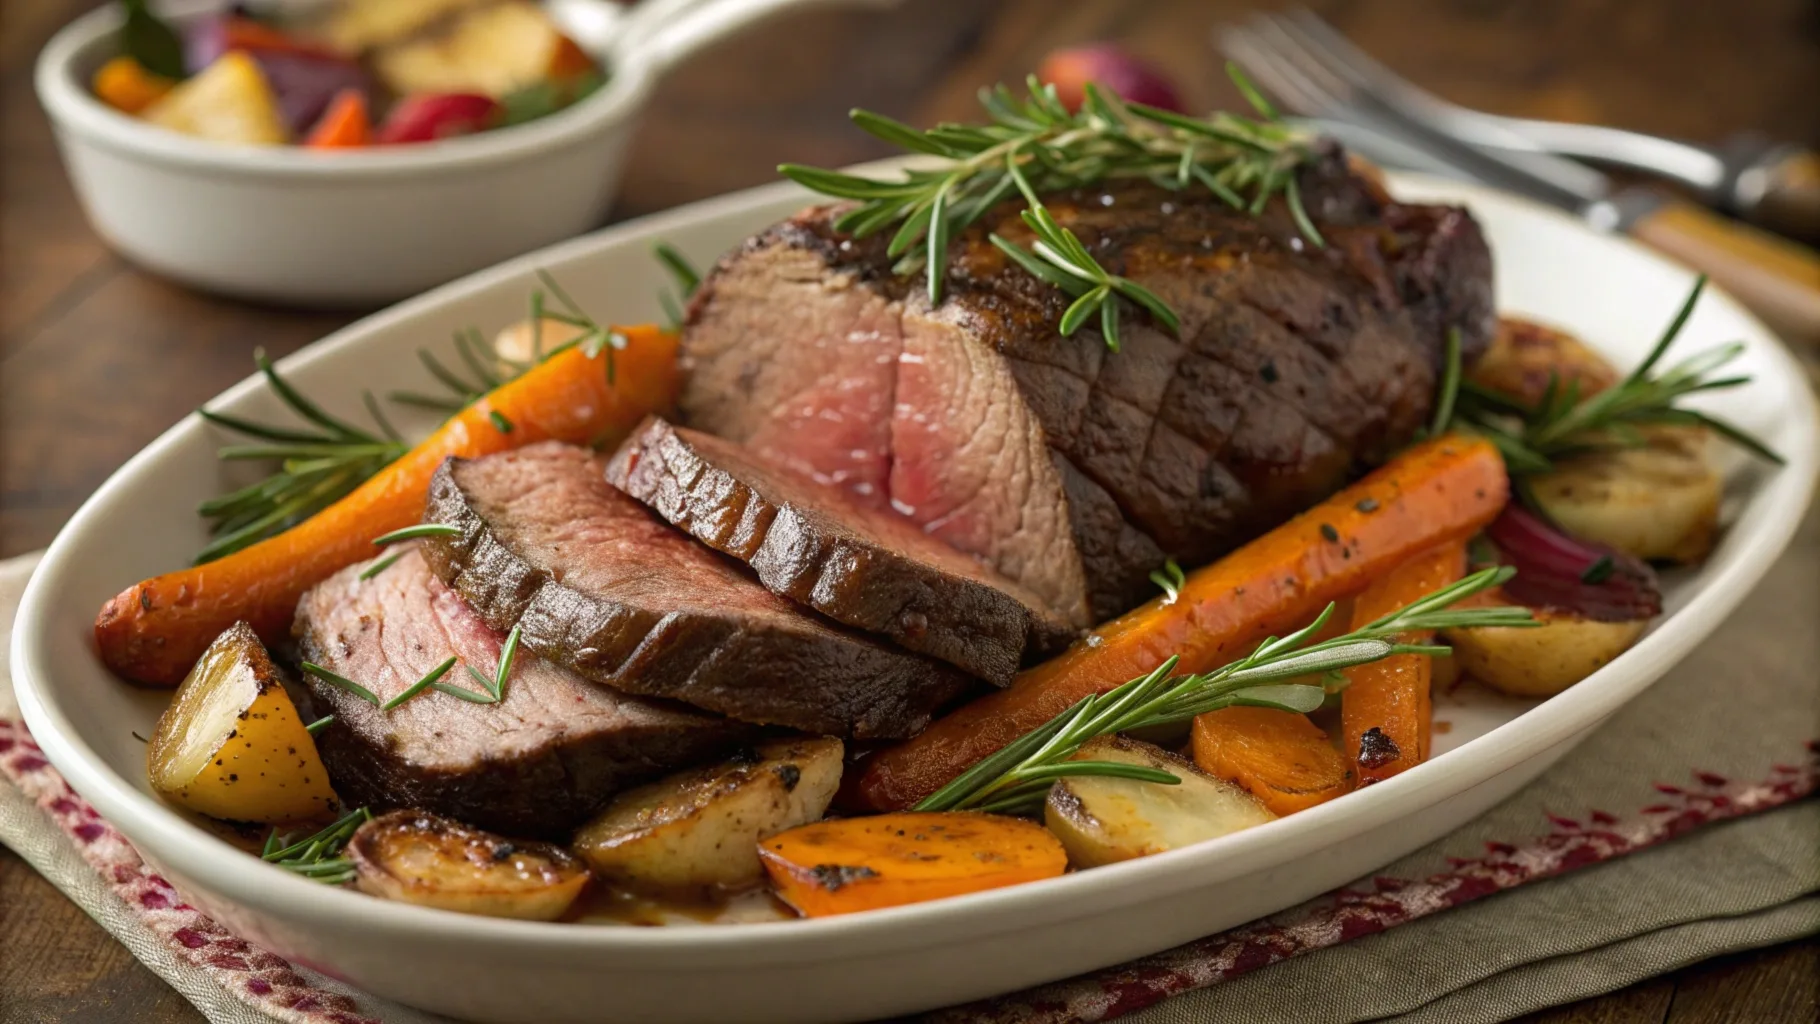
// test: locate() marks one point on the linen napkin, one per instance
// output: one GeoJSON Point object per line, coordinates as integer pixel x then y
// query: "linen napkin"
{"type": "Point", "coordinates": [1570, 889]}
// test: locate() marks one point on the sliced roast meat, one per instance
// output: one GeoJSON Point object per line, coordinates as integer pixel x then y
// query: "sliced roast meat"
{"type": "Point", "coordinates": [866, 567]}
{"type": "Point", "coordinates": [1068, 468]}
{"type": "Point", "coordinates": [599, 584]}
{"type": "Point", "coordinates": [539, 762]}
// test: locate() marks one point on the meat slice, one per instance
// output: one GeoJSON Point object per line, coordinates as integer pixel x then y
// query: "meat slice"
{"type": "Point", "coordinates": [600, 585]}
{"type": "Point", "coordinates": [539, 762]}
{"type": "Point", "coordinates": [1068, 468]}
{"type": "Point", "coordinates": [868, 568]}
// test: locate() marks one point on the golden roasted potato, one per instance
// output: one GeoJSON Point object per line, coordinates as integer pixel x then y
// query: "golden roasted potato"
{"type": "Point", "coordinates": [355, 26]}
{"type": "Point", "coordinates": [1657, 501]}
{"type": "Point", "coordinates": [491, 50]}
{"type": "Point", "coordinates": [232, 745]}
{"type": "Point", "coordinates": [1541, 661]}
{"type": "Point", "coordinates": [698, 830]}
{"type": "Point", "coordinates": [1524, 354]}
{"type": "Point", "coordinates": [229, 101]}
{"type": "Point", "coordinates": [432, 861]}
{"type": "Point", "coordinates": [1101, 819]}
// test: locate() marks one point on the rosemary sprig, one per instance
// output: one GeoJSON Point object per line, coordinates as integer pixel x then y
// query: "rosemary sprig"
{"type": "Point", "coordinates": [1035, 145]}
{"type": "Point", "coordinates": [318, 856]}
{"type": "Point", "coordinates": [1563, 424]}
{"type": "Point", "coordinates": [1170, 579]}
{"type": "Point", "coordinates": [414, 532]}
{"type": "Point", "coordinates": [319, 724]}
{"type": "Point", "coordinates": [595, 338]}
{"type": "Point", "coordinates": [686, 278]}
{"type": "Point", "coordinates": [317, 466]}
{"type": "Point", "coordinates": [1016, 780]}
{"type": "Point", "coordinates": [328, 458]}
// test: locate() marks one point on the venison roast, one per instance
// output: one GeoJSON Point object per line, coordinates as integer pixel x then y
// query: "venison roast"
{"type": "Point", "coordinates": [538, 763]}
{"type": "Point", "coordinates": [860, 565]}
{"type": "Point", "coordinates": [1068, 468]}
{"type": "Point", "coordinates": [598, 584]}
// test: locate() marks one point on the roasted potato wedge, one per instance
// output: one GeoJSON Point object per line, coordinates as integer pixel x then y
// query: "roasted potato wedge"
{"type": "Point", "coordinates": [1541, 661]}
{"type": "Point", "coordinates": [698, 830]}
{"type": "Point", "coordinates": [853, 864]}
{"type": "Point", "coordinates": [1101, 820]}
{"type": "Point", "coordinates": [356, 26]}
{"type": "Point", "coordinates": [1524, 355]}
{"type": "Point", "coordinates": [432, 861]}
{"type": "Point", "coordinates": [232, 744]}
{"type": "Point", "coordinates": [491, 50]}
{"type": "Point", "coordinates": [1658, 501]}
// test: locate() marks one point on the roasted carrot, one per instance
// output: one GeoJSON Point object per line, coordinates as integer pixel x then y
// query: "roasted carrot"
{"type": "Point", "coordinates": [1281, 757]}
{"type": "Point", "coordinates": [124, 84]}
{"type": "Point", "coordinates": [1386, 712]}
{"type": "Point", "coordinates": [155, 630]}
{"type": "Point", "coordinates": [344, 125]}
{"type": "Point", "coordinates": [1439, 490]}
{"type": "Point", "coordinates": [851, 864]}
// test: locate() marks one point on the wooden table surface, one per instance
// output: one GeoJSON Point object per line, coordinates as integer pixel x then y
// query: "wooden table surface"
{"type": "Point", "coordinates": [97, 357]}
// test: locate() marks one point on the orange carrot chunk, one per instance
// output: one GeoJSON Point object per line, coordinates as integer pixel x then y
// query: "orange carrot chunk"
{"type": "Point", "coordinates": [852, 864]}
{"type": "Point", "coordinates": [124, 84]}
{"type": "Point", "coordinates": [153, 631]}
{"type": "Point", "coordinates": [1439, 490]}
{"type": "Point", "coordinates": [344, 125]}
{"type": "Point", "coordinates": [1281, 757]}
{"type": "Point", "coordinates": [1386, 711]}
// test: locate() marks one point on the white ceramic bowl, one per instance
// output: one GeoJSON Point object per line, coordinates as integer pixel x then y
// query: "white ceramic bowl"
{"type": "Point", "coordinates": [887, 962]}
{"type": "Point", "coordinates": [291, 225]}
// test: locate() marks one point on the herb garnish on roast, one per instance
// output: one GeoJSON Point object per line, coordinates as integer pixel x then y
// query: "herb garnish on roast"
{"type": "Point", "coordinates": [1069, 468]}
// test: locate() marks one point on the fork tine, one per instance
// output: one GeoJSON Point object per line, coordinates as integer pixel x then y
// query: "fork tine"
{"type": "Point", "coordinates": [1279, 78]}
{"type": "Point", "coordinates": [1346, 58]}
{"type": "Point", "coordinates": [1292, 51]}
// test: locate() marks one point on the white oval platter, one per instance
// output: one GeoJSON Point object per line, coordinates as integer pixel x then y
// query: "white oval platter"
{"type": "Point", "coordinates": [142, 521]}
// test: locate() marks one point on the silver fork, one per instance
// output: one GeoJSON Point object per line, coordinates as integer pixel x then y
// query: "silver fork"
{"type": "Point", "coordinates": [1317, 70]}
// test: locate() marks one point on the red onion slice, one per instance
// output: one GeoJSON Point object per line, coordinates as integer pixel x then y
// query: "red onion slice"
{"type": "Point", "coordinates": [1555, 570]}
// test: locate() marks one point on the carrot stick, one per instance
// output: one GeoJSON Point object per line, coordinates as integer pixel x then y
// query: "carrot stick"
{"type": "Point", "coordinates": [1386, 710]}
{"type": "Point", "coordinates": [1440, 490]}
{"type": "Point", "coordinates": [345, 125]}
{"type": "Point", "coordinates": [155, 630]}
{"type": "Point", "coordinates": [1285, 760]}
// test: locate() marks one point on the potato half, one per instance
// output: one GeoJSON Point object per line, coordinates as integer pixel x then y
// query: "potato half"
{"type": "Point", "coordinates": [1101, 819]}
{"type": "Point", "coordinates": [1541, 661]}
{"type": "Point", "coordinates": [1657, 501]}
{"type": "Point", "coordinates": [1524, 355]}
{"type": "Point", "coordinates": [698, 830]}
{"type": "Point", "coordinates": [232, 745]}
{"type": "Point", "coordinates": [432, 861]}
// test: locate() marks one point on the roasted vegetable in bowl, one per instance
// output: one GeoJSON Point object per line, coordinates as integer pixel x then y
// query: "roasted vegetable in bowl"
{"type": "Point", "coordinates": [232, 744]}
{"type": "Point", "coordinates": [366, 72]}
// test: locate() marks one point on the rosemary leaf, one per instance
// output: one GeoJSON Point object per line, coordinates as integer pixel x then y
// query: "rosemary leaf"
{"type": "Point", "coordinates": [414, 532]}
{"type": "Point", "coordinates": [342, 682]}
{"type": "Point", "coordinates": [420, 685]}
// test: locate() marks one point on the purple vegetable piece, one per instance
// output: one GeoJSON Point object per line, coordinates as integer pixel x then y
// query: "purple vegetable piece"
{"type": "Point", "coordinates": [303, 76]}
{"type": "Point", "coordinates": [304, 85]}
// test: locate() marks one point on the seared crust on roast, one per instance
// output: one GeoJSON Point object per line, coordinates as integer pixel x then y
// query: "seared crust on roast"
{"type": "Point", "coordinates": [539, 762]}
{"type": "Point", "coordinates": [1068, 468]}
{"type": "Point", "coordinates": [599, 585]}
{"type": "Point", "coordinates": [862, 566]}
